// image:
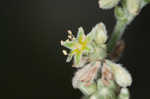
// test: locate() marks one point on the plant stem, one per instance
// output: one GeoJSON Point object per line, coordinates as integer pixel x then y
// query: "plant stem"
{"type": "Point", "coordinates": [120, 28]}
{"type": "Point", "coordinates": [116, 35]}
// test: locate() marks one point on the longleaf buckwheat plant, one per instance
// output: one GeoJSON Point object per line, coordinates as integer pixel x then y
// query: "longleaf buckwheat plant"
{"type": "Point", "coordinates": [98, 75]}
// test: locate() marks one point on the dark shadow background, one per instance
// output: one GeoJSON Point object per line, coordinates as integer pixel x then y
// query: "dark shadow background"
{"type": "Point", "coordinates": [31, 63]}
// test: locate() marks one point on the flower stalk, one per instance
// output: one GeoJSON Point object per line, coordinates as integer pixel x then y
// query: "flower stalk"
{"type": "Point", "coordinates": [117, 34]}
{"type": "Point", "coordinates": [124, 16]}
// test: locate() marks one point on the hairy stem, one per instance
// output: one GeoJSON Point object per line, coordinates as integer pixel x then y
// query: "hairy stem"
{"type": "Point", "coordinates": [120, 28]}
{"type": "Point", "coordinates": [117, 34]}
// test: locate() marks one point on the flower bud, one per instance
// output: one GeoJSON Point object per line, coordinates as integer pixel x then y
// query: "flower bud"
{"type": "Point", "coordinates": [108, 4]}
{"type": "Point", "coordinates": [100, 33]}
{"type": "Point", "coordinates": [133, 6]}
{"type": "Point", "coordinates": [122, 76]}
{"type": "Point", "coordinates": [124, 94]}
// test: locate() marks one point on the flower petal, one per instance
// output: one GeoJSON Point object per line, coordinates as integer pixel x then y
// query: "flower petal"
{"type": "Point", "coordinates": [81, 34]}
{"type": "Point", "coordinates": [69, 44]}
{"type": "Point", "coordinates": [77, 58]}
{"type": "Point", "coordinates": [69, 58]}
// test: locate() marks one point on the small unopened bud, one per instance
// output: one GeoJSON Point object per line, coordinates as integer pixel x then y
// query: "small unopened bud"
{"type": "Point", "coordinates": [122, 76]}
{"type": "Point", "coordinates": [108, 4]}
{"type": "Point", "coordinates": [100, 33]}
{"type": "Point", "coordinates": [133, 6]}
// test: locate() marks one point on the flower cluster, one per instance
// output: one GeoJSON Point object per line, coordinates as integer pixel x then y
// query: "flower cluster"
{"type": "Point", "coordinates": [97, 77]}
{"type": "Point", "coordinates": [98, 74]}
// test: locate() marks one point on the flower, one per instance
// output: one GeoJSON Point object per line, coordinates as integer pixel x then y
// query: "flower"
{"type": "Point", "coordinates": [92, 45]}
{"type": "Point", "coordinates": [78, 46]}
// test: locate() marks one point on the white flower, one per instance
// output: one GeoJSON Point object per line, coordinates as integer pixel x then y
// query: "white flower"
{"type": "Point", "coordinates": [78, 46]}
